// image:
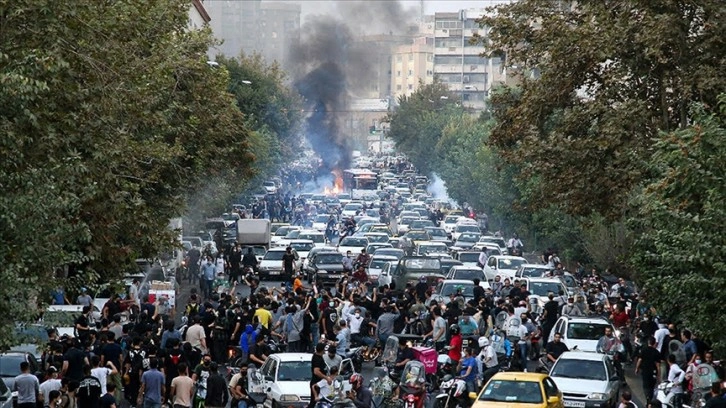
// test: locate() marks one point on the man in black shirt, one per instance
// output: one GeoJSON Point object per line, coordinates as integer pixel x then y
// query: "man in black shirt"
{"type": "Point", "coordinates": [556, 348]}
{"type": "Point", "coordinates": [249, 259]}
{"type": "Point", "coordinates": [73, 361]}
{"type": "Point", "coordinates": [550, 316]}
{"type": "Point", "coordinates": [479, 292]}
{"type": "Point", "coordinates": [258, 352]}
{"type": "Point", "coordinates": [318, 369]}
{"type": "Point", "coordinates": [288, 262]}
{"type": "Point", "coordinates": [404, 355]}
{"type": "Point", "coordinates": [649, 367]}
{"type": "Point", "coordinates": [89, 390]}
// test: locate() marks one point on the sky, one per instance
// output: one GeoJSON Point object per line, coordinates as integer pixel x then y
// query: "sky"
{"type": "Point", "coordinates": [430, 6]}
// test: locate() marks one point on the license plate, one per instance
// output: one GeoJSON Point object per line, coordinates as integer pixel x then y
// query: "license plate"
{"type": "Point", "coordinates": [274, 272]}
{"type": "Point", "coordinates": [574, 404]}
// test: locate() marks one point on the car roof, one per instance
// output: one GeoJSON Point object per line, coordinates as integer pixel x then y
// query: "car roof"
{"type": "Point", "coordinates": [506, 257]}
{"type": "Point", "coordinates": [466, 268]}
{"type": "Point", "coordinates": [545, 280]}
{"type": "Point", "coordinates": [458, 281]}
{"type": "Point", "coordinates": [301, 241]}
{"type": "Point", "coordinates": [285, 357]}
{"type": "Point", "coordinates": [587, 319]}
{"type": "Point", "coordinates": [535, 266]}
{"type": "Point", "coordinates": [583, 355]}
{"type": "Point", "coordinates": [519, 376]}
{"type": "Point", "coordinates": [277, 249]}
{"type": "Point", "coordinates": [384, 257]}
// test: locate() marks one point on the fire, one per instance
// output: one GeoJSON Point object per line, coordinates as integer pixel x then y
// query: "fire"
{"type": "Point", "coordinates": [337, 184]}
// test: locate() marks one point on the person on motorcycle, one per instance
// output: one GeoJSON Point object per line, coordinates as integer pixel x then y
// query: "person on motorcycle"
{"type": "Point", "coordinates": [514, 246]}
{"type": "Point", "coordinates": [608, 343]}
{"type": "Point", "coordinates": [362, 259]}
{"type": "Point", "coordinates": [404, 355]}
{"type": "Point", "coordinates": [467, 325]}
{"type": "Point", "coordinates": [327, 388]}
{"type": "Point", "coordinates": [555, 348]}
{"type": "Point", "coordinates": [362, 397]}
{"type": "Point", "coordinates": [489, 364]}
{"type": "Point", "coordinates": [249, 259]}
{"type": "Point", "coordinates": [331, 357]}
{"type": "Point", "coordinates": [454, 346]}
{"type": "Point", "coordinates": [360, 274]}
{"type": "Point", "coordinates": [348, 262]}
{"type": "Point", "coordinates": [468, 370]}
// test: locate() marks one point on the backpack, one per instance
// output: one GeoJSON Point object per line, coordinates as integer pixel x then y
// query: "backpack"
{"type": "Point", "coordinates": [512, 328]}
{"type": "Point", "coordinates": [138, 360]}
{"type": "Point", "coordinates": [192, 309]}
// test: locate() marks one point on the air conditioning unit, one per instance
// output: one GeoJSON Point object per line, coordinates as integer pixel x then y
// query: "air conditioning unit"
{"type": "Point", "coordinates": [466, 79]}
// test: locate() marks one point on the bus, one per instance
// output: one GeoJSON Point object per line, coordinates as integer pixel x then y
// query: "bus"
{"type": "Point", "coordinates": [359, 182]}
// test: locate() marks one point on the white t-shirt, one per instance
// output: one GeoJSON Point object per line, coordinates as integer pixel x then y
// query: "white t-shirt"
{"type": "Point", "coordinates": [219, 266]}
{"type": "Point", "coordinates": [326, 390]}
{"type": "Point", "coordinates": [660, 335]}
{"type": "Point", "coordinates": [523, 332]}
{"type": "Point", "coordinates": [134, 294]}
{"type": "Point", "coordinates": [676, 376]}
{"type": "Point", "coordinates": [47, 386]}
{"type": "Point", "coordinates": [102, 374]}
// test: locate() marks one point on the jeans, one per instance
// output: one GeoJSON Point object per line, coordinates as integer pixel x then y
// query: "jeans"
{"type": "Point", "coordinates": [359, 338]}
{"type": "Point", "coordinates": [315, 331]}
{"type": "Point", "coordinates": [241, 404]}
{"type": "Point", "coordinates": [151, 404]}
{"type": "Point", "coordinates": [383, 337]}
{"type": "Point", "coordinates": [523, 355]}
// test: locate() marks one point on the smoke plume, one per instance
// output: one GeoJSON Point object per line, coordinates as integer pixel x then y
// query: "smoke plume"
{"type": "Point", "coordinates": [332, 64]}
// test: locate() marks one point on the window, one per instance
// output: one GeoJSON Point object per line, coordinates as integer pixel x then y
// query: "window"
{"type": "Point", "coordinates": [550, 387]}
{"type": "Point", "coordinates": [410, 72]}
{"type": "Point", "coordinates": [398, 73]}
{"type": "Point", "coordinates": [399, 58]}
{"type": "Point", "coordinates": [410, 57]}
{"type": "Point", "coordinates": [410, 87]}
{"type": "Point", "coordinates": [398, 87]}
{"type": "Point", "coordinates": [444, 59]}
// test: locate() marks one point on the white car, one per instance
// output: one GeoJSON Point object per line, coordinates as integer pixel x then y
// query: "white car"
{"type": "Point", "coordinates": [351, 209]}
{"type": "Point", "coordinates": [317, 237]}
{"type": "Point", "coordinates": [464, 272]}
{"type": "Point", "coordinates": [498, 241]}
{"type": "Point", "coordinates": [63, 317]}
{"type": "Point", "coordinates": [375, 266]}
{"type": "Point", "coordinates": [449, 223]}
{"type": "Point", "coordinates": [388, 270]}
{"type": "Point", "coordinates": [532, 271]}
{"type": "Point", "coordinates": [282, 232]}
{"type": "Point", "coordinates": [504, 265]}
{"type": "Point", "coordinates": [285, 241]}
{"type": "Point", "coordinates": [583, 332]}
{"type": "Point", "coordinates": [540, 288]}
{"type": "Point", "coordinates": [352, 244]}
{"type": "Point", "coordinates": [464, 227]}
{"type": "Point", "coordinates": [468, 258]}
{"type": "Point", "coordinates": [285, 379]}
{"type": "Point", "coordinates": [270, 187]}
{"type": "Point", "coordinates": [271, 264]}
{"type": "Point", "coordinates": [320, 222]}
{"type": "Point", "coordinates": [302, 247]}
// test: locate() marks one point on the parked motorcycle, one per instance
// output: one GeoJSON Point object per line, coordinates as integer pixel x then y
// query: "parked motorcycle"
{"type": "Point", "coordinates": [453, 394]}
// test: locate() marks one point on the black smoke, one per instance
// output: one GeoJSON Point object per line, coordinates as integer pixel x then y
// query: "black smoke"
{"type": "Point", "coordinates": [331, 64]}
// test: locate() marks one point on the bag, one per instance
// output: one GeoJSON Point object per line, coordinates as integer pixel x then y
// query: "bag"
{"type": "Point", "coordinates": [139, 361]}
{"type": "Point", "coordinates": [512, 328]}
{"type": "Point", "coordinates": [192, 309]}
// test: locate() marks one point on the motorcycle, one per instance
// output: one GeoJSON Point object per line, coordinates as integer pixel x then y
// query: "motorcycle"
{"type": "Point", "coordinates": [412, 385]}
{"type": "Point", "coordinates": [382, 388]}
{"type": "Point", "coordinates": [338, 399]}
{"type": "Point", "coordinates": [453, 394]}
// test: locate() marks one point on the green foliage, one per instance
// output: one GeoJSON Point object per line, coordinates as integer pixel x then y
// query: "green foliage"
{"type": "Point", "coordinates": [613, 75]}
{"type": "Point", "coordinates": [681, 236]}
{"type": "Point", "coordinates": [417, 125]}
{"type": "Point", "coordinates": [111, 118]}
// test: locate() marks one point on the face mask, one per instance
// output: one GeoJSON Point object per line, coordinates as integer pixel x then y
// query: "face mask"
{"type": "Point", "coordinates": [206, 363]}
{"type": "Point", "coordinates": [357, 315]}
{"type": "Point", "coordinates": [698, 362]}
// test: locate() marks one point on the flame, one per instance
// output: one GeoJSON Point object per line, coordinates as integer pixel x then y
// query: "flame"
{"type": "Point", "coordinates": [337, 186]}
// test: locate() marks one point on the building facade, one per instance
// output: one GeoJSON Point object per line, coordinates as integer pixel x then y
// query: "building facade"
{"type": "Point", "coordinates": [198, 16]}
{"type": "Point", "coordinates": [411, 66]}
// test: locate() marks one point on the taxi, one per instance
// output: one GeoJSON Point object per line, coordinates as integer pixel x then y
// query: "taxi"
{"type": "Point", "coordinates": [517, 389]}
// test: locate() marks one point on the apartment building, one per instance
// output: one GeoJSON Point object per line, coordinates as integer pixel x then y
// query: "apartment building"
{"type": "Point", "coordinates": [412, 65]}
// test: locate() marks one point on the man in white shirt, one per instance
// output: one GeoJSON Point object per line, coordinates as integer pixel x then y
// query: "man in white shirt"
{"type": "Point", "coordinates": [355, 320]}
{"type": "Point", "coordinates": [52, 383]}
{"type": "Point", "coordinates": [482, 257]}
{"type": "Point", "coordinates": [675, 376]}
{"type": "Point", "coordinates": [102, 372]}
{"type": "Point", "coordinates": [489, 364]}
{"type": "Point", "coordinates": [660, 335]}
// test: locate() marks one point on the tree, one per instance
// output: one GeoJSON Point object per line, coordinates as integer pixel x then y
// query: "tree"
{"type": "Point", "coordinates": [681, 237]}
{"type": "Point", "coordinates": [417, 124]}
{"type": "Point", "coordinates": [612, 76]}
{"type": "Point", "coordinates": [111, 120]}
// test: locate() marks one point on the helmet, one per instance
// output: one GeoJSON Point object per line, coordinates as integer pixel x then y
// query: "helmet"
{"type": "Point", "coordinates": [356, 378]}
{"type": "Point", "coordinates": [454, 329]}
{"type": "Point", "coordinates": [447, 377]}
{"type": "Point", "coordinates": [483, 342]}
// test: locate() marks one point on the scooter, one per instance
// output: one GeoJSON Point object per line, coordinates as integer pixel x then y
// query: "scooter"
{"type": "Point", "coordinates": [453, 394]}
{"type": "Point", "coordinates": [663, 394]}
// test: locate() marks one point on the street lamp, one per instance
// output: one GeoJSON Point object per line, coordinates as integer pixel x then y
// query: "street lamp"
{"type": "Point", "coordinates": [246, 82]}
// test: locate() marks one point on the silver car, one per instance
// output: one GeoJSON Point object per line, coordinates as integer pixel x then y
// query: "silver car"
{"type": "Point", "coordinates": [587, 380]}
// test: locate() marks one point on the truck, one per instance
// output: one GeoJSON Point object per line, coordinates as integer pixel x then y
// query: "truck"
{"type": "Point", "coordinates": [251, 232]}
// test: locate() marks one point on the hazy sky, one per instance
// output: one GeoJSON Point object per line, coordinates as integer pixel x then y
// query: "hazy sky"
{"type": "Point", "coordinates": [430, 6]}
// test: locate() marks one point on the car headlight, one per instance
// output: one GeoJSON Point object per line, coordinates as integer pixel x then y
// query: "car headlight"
{"type": "Point", "coordinates": [322, 271]}
{"type": "Point", "coordinates": [289, 398]}
{"type": "Point", "coordinates": [597, 396]}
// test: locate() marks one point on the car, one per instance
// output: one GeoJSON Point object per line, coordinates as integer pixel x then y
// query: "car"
{"type": "Point", "coordinates": [421, 224]}
{"type": "Point", "coordinates": [352, 244]}
{"type": "Point", "coordinates": [258, 250]}
{"type": "Point", "coordinates": [573, 287]}
{"type": "Point", "coordinates": [6, 396]}
{"type": "Point", "coordinates": [381, 237]}
{"type": "Point", "coordinates": [270, 187]}
{"type": "Point", "coordinates": [325, 267]}
{"type": "Point", "coordinates": [532, 271]}
{"type": "Point", "coordinates": [290, 233]}
{"type": "Point", "coordinates": [317, 237]}
{"type": "Point", "coordinates": [499, 241]}
{"type": "Point", "coordinates": [388, 271]}
{"type": "Point", "coordinates": [63, 318]}
{"type": "Point", "coordinates": [311, 254]}
{"type": "Point", "coordinates": [581, 331]}
{"type": "Point", "coordinates": [492, 249]}
{"type": "Point", "coordinates": [317, 199]}
{"type": "Point", "coordinates": [503, 265]}
{"type": "Point", "coordinates": [375, 246]}
{"type": "Point", "coordinates": [540, 288]}
{"type": "Point", "coordinates": [320, 222]}
{"type": "Point", "coordinates": [460, 228]}
{"type": "Point", "coordinates": [10, 366]}
{"type": "Point", "coordinates": [448, 287]}
{"type": "Point", "coordinates": [285, 379]}
{"type": "Point", "coordinates": [431, 248]}
{"type": "Point", "coordinates": [447, 264]}
{"type": "Point", "coordinates": [375, 266]}
{"type": "Point", "coordinates": [516, 389]}
{"type": "Point", "coordinates": [404, 224]}
{"type": "Point", "coordinates": [394, 252]}
{"type": "Point", "coordinates": [302, 247]}
{"type": "Point", "coordinates": [587, 380]}
{"type": "Point", "coordinates": [412, 238]}
{"type": "Point", "coordinates": [412, 268]}
{"type": "Point", "coordinates": [468, 258]}
{"type": "Point", "coordinates": [344, 199]}
{"type": "Point", "coordinates": [438, 234]}
{"type": "Point", "coordinates": [467, 240]}
{"type": "Point", "coordinates": [271, 264]}
{"type": "Point", "coordinates": [277, 225]}
{"type": "Point", "coordinates": [449, 223]}
{"type": "Point", "coordinates": [465, 272]}
{"type": "Point", "coordinates": [351, 209]}
{"type": "Point", "coordinates": [281, 233]}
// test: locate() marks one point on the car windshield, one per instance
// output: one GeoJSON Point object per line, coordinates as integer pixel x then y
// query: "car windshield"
{"type": "Point", "coordinates": [316, 238]}
{"type": "Point", "coordinates": [274, 255]}
{"type": "Point", "coordinates": [468, 289]}
{"type": "Point", "coordinates": [407, 220]}
{"type": "Point", "coordinates": [509, 263]}
{"type": "Point", "coordinates": [398, 253]}
{"type": "Point", "coordinates": [469, 274]}
{"type": "Point", "coordinates": [378, 263]}
{"type": "Point", "coordinates": [418, 236]}
{"type": "Point", "coordinates": [10, 365]}
{"type": "Point", "coordinates": [322, 218]}
{"type": "Point", "coordinates": [451, 219]}
{"type": "Point", "coordinates": [294, 371]}
{"type": "Point", "coordinates": [60, 319]}
{"type": "Point", "coordinates": [259, 251]}
{"type": "Point", "coordinates": [532, 272]}
{"type": "Point", "coordinates": [432, 249]}
{"type": "Point", "coordinates": [329, 259]}
{"type": "Point", "coordinates": [469, 237]}
{"type": "Point", "coordinates": [302, 246]}
{"type": "Point", "coordinates": [377, 238]}
{"type": "Point", "coordinates": [421, 263]}
{"type": "Point", "coordinates": [467, 228]}
{"type": "Point", "coordinates": [580, 369]}
{"type": "Point", "coordinates": [293, 234]}
{"type": "Point", "coordinates": [353, 206]}
{"type": "Point", "coordinates": [469, 257]}
{"type": "Point", "coordinates": [524, 392]}
{"type": "Point", "coordinates": [436, 232]}
{"type": "Point", "coordinates": [498, 241]}
{"type": "Point", "coordinates": [585, 331]}
{"type": "Point", "coordinates": [421, 224]}
{"type": "Point", "coordinates": [379, 228]}
{"type": "Point", "coordinates": [354, 242]}
{"type": "Point", "coordinates": [544, 288]}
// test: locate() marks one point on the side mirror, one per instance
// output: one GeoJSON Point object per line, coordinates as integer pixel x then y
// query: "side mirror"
{"type": "Point", "coordinates": [472, 396]}
{"type": "Point", "coordinates": [553, 400]}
